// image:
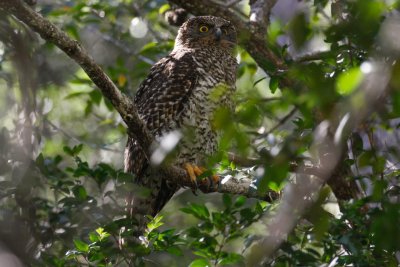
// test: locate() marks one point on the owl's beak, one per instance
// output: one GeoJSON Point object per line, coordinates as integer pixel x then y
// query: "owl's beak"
{"type": "Point", "coordinates": [218, 34]}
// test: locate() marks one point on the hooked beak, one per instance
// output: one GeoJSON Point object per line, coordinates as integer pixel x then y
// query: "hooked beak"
{"type": "Point", "coordinates": [218, 34]}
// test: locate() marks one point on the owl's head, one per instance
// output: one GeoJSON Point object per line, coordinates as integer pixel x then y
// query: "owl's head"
{"type": "Point", "coordinates": [206, 31]}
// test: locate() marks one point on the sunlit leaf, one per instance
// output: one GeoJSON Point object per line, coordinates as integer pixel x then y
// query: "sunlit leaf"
{"type": "Point", "coordinates": [199, 263]}
{"type": "Point", "coordinates": [81, 246]}
{"type": "Point", "coordinates": [348, 81]}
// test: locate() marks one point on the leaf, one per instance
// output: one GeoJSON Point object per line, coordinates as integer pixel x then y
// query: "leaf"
{"type": "Point", "coordinates": [81, 246]}
{"type": "Point", "coordinates": [102, 234]}
{"type": "Point", "coordinates": [76, 94]}
{"type": "Point", "coordinates": [77, 149]}
{"type": "Point", "coordinates": [240, 201]}
{"type": "Point", "coordinates": [74, 151]}
{"type": "Point", "coordinates": [79, 192]}
{"type": "Point", "coordinates": [199, 263]}
{"type": "Point", "coordinates": [94, 237]}
{"type": "Point", "coordinates": [247, 214]}
{"type": "Point", "coordinates": [197, 210]}
{"type": "Point", "coordinates": [365, 158]}
{"type": "Point", "coordinates": [348, 81]}
{"type": "Point", "coordinates": [175, 251]}
{"type": "Point", "coordinates": [155, 223]}
{"type": "Point", "coordinates": [230, 259]}
{"type": "Point", "coordinates": [96, 96]}
{"type": "Point", "coordinates": [227, 200]}
{"type": "Point", "coordinates": [273, 84]}
{"type": "Point", "coordinates": [88, 108]}
{"type": "Point", "coordinates": [164, 8]}
{"type": "Point", "coordinates": [299, 30]}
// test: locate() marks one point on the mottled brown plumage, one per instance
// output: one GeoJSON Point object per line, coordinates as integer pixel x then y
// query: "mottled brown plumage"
{"type": "Point", "coordinates": [178, 96]}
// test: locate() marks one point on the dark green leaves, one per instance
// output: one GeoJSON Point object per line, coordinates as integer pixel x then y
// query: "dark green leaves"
{"type": "Point", "coordinates": [216, 229]}
{"type": "Point", "coordinates": [74, 151]}
{"type": "Point", "coordinates": [299, 30]}
{"type": "Point", "coordinates": [198, 210]}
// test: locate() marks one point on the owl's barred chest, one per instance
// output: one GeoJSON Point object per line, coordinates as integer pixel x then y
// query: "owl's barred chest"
{"type": "Point", "coordinates": [214, 90]}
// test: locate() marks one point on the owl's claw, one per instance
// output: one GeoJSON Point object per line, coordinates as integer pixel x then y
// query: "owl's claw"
{"type": "Point", "coordinates": [207, 184]}
{"type": "Point", "coordinates": [190, 170]}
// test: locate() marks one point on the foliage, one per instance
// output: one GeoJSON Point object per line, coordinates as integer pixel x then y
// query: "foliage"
{"type": "Point", "coordinates": [62, 188]}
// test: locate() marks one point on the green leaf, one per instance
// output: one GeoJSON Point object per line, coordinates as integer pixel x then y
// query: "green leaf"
{"type": "Point", "coordinates": [74, 151]}
{"type": "Point", "coordinates": [79, 192]}
{"type": "Point", "coordinates": [247, 214]}
{"type": "Point", "coordinates": [199, 263]}
{"type": "Point", "coordinates": [175, 251]}
{"type": "Point", "coordinates": [164, 8]}
{"type": "Point", "coordinates": [81, 246]}
{"type": "Point", "coordinates": [273, 84]}
{"type": "Point", "coordinates": [348, 81]}
{"type": "Point", "coordinates": [366, 158]}
{"type": "Point", "coordinates": [240, 201]}
{"type": "Point", "coordinates": [198, 210]}
{"type": "Point", "coordinates": [94, 237]}
{"type": "Point", "coordinates": [230, 259]}
{"type": "Point", "coordinates": [102, 234]}
{"type": "Point", "coordinates": [155, 223]}
{"type": "Point", "coordinates": [227, 200]}
{"type": "Point", "coordinates": [76, 94]}
{"type": "Point", "coordinates": [299, 30]}
{"type": "Point", "coordinates": [96, 96]}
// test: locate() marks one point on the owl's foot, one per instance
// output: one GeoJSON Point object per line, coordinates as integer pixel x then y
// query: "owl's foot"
{"type": "Point", "coordinates": [206, 184]}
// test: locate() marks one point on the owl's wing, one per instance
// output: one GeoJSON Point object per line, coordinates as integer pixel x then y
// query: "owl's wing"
{"type": "Point", "coordinates": [160, 100]}
{"type": "Point", "coordinates": [162, 95]}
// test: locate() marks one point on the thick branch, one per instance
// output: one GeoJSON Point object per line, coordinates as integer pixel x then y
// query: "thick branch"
{"type": "Point", "coordinates": [260, 11]}
{"type": "Point", "coordinates": [120, 101]}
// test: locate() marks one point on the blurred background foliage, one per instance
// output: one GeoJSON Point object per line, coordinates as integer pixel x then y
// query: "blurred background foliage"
{"type": "Point", "coordinates": [62, 186]}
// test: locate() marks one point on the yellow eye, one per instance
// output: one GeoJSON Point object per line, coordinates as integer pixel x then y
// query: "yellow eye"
{"type": "Point", "coordinates": [203, 29]}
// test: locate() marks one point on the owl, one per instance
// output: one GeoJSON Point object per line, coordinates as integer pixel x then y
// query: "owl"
{"type": "Point", "coordinates": [181, 95]}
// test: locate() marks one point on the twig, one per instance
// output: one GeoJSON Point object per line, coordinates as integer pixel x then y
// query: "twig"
{"type": "Point", "coordinates": [281, 122]}
{"type": "Point", "coordinates": [95, 146]}
{"type": "Point", "coordinates": [270, 99]}
{"type": "Point", "coordinates": [320, 55]}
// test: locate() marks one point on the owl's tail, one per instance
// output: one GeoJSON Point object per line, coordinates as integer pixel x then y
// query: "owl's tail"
{"type": "Point", "coordinates": [149, 199]}
{"type": "Point", "coordinates": [152, 191]}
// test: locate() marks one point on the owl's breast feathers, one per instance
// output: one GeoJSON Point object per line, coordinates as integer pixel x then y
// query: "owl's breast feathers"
{"type": "Point", "coordinates": [175, 79]}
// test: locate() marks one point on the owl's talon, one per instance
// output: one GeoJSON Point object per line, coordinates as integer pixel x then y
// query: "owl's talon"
{"type": "Point", "coordinates": [210, 184]}
{"type": "Point", "coordinates": [190, 169]}
{"type": "Point", "coordinates": [207, 184]}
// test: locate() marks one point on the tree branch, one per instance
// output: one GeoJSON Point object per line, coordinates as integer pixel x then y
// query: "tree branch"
{"type": "Point", "coordinates": [260, 11]}
{"type": "Point", "coordinates": [122, 103]}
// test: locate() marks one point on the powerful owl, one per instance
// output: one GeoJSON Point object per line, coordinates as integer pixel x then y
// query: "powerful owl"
{"type": "Point", "coordinates": [181, 94]}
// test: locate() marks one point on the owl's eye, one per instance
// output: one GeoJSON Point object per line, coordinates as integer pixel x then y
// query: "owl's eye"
{"type": "Point", "coordinates": [203, 29]}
